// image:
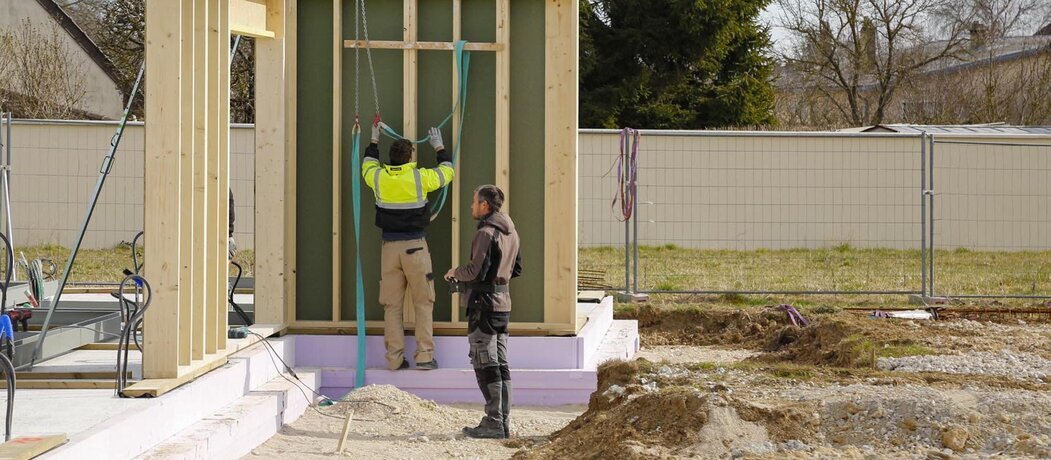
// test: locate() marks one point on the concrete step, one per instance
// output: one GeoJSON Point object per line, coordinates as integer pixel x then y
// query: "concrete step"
{"type": "Point", "coordinates": [244, 424]}
{"type": "Point", "coordinates": [147, 423]}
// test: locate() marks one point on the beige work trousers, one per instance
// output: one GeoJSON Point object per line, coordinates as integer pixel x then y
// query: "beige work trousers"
{"type": "Point", "coordinates": [407, 264]}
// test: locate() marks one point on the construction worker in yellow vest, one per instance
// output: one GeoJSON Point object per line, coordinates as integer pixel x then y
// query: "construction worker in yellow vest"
{"type": "Point", "coordinates": [402, 214]}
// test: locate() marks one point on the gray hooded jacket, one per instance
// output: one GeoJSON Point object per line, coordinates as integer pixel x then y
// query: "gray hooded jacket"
{"type": "Point", "coordinates": [495, 259]}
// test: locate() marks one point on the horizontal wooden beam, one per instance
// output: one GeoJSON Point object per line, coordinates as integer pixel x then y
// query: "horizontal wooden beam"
{"type": "Point", "coordinates": [248, 18]}
{"type": "Point", "coordinates": [428, 46]}
{"type": "Point", "coordinates": [68, 384]}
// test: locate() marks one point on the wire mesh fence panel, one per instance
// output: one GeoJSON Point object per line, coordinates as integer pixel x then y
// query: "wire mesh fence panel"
{"type": "Point", "coordinates": [55, 168]}
{"type": "Point", "coordinates": [991, 210]}
{"type": "Point", "coordinates": [762, 212]}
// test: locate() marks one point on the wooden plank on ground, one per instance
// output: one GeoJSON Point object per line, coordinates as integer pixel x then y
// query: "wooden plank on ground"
{"type": "Point", "coordinates": [85, 375]}
{"type": "Point", "coordinates": [67, 384]}
{"type": "Point", "coordinates": [32, 446]}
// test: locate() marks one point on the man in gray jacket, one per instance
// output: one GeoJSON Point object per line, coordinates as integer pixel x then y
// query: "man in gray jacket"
{"type": "Point", "coordinates": [494, 261]}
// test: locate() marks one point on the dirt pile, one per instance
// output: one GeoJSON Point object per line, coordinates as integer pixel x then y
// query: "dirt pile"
{"type": "Point", "coordinates": [693, 326]}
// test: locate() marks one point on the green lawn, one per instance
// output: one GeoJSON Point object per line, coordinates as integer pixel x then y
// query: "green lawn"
{"type": "Point", "coordinates": [103, 265]}
{"type": "Point", "coordinates": [842, 268]}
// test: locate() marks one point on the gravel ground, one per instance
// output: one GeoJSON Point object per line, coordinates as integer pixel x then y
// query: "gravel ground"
{"type": "Point", "coordinates": [1022, 366]}
{"type": "Point", "coordinates": [392, 424]}
{"type": "Point", "coordinates": [676, 354]}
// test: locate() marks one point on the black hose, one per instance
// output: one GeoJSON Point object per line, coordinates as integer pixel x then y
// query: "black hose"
{"type": "Point", "coordinates": [237, 308]}
{"type": "Point", "coordinates": [135, 265]}
{"type": "Point", "coordinates": [9, 373]}
{"type": "Point", "coordinates": [129, 328]}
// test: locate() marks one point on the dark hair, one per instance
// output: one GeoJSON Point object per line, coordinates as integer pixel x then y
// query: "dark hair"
{"type": "Point", "coordinates": [400, 152]}
{"type": "Point", "coordinates": [491, 194]}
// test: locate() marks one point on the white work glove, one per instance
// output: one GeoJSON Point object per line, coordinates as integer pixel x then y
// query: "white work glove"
{"type": "Point", "coordinates": [376, 133]}
{"type": "Point", "coordinates": [436, 139]}
{"type": "Point", "coordinates": [232, 248]}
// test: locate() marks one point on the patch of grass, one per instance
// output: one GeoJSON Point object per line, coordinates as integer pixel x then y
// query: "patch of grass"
{"type": "Point", "coordinates": [668, 286]}
{"type": "Point", "coordinates": [707, 367]}
{"type": "Point", "coordinates": [899, 351]}
{"type": "Point", "coordinates": [105, 265]}
{"type": "Point", "coordinates": [840, 267]}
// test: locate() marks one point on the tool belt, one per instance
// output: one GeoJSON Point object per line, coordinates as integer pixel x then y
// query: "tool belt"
{"type": "Point", "coordinates": [488, 288]}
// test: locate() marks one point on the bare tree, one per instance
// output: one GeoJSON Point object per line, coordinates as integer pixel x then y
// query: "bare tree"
{"type": "Point", "coordinates": [43, 76]}
{"type": "Point", "coordinates": [858, 53]}
{"type": "Point", "coordinates": [999, 18]}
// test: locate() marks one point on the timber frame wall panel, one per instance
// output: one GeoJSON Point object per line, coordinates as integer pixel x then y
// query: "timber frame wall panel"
{"type": "Point", "coordinates": [187, 177]}
{"type": "Point", "coordinates": [531, 155]}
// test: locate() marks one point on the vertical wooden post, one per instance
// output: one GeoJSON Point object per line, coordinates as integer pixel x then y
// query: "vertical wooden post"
{"type": "Point", "coordinates": [337, 155]}
{"type": "Point", "coordinates": [202, 108]}
{"type": "Point", "coordinates": [455, 208]}
{"type": "Point", "coordinates": [270, 132]}
{"type": "Point", "coordinates": [216, 51]}
{"type": "Point", "coordinates": [560, 162]}
{"type": "Point", "coordinates": [503, 100]}
{"type": "Point", "coordinates": [410, 106]}
{"type": "Point", "coordinates": [291, 85]}
{"type": "Point", "coordinates": [194, 101]}
{"type": "Point", "coordinates": [220, 224]}
{"type": "Point", "coordinates": [164, 41]}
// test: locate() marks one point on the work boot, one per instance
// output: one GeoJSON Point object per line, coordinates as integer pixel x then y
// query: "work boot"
{"type": "Point", "coordinates": [428, 366]}
{"type": "Point", "coordinates": [404, 365]}
{"type": "Point", "coordinates": [486, 429]}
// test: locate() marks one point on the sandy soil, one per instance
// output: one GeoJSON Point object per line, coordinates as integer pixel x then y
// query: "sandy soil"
{"type": "Point", "coordinates": [407, 427]}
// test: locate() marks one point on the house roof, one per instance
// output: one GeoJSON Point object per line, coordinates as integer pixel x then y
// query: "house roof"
{"type": "Point", "coordinates": [93, 51]}
{"type": "Point", "coordinates": [993, 128]}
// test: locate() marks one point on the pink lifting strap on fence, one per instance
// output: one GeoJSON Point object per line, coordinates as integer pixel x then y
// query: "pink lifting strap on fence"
{"type": "Point", "coordinates": [627, 173]}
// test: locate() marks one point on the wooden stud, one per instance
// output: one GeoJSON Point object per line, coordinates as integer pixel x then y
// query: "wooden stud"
{"type": "Point", "coordinates": [220, 271]}
{"type": "Point", "coordinates": [455, 208]}
{"type": "Point", "coordinates": [560, 162]}
{"type": "Point", "coordinates": [27, 447]}
{"type": "Point", "coordinates": [337, 157]}
{"type": "Point", "coordinates": [249, 18]}
{"type": "Point", "coordinates": [191, 305]}
{"type": "Point", "coordinates": [270, 176]}
{"type": "Point", "coordinates": [503, 101]}
{"type": "Point", "coordinates": [410, 105]}
{"type": "Point", "coordinates": [415, 45]}
{"type": "Point", "coordinates": [164, 38]}
{"type": "Point", "coordinates": [291, 87]}
{"type": "Point", "coordinates": [217, 53]}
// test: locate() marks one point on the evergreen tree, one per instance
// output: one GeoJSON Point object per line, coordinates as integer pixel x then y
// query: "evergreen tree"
{"type": "Point", "coordinates": [674, 64]}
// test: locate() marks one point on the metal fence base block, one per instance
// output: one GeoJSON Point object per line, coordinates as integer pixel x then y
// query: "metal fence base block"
{"type": "Point", "coordinates": [632, 297]}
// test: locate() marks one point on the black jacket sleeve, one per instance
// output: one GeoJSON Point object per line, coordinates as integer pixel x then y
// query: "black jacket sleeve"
{"type": "Point", "coordinates": [517, 271]}
{"type": "Point", "coordinates": [444, 156]}
{"type": "Point", "coordinates": [372, 151]}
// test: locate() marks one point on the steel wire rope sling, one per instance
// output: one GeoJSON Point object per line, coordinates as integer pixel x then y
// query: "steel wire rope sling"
{"type": "Point", "coordinates": [104, 170]}
{"type": "Point", "coordinates": [463, 60]}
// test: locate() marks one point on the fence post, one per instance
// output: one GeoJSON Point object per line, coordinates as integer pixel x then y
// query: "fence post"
{"type": "Point", "coordinates": [930, 210]}
{"type": "Point", "coordinates": [923, 215]}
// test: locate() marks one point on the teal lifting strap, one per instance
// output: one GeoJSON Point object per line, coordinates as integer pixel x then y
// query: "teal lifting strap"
{"type": "Point", "coordinates": [355, 187]}
{"type": "Point", "coordinates": [463, 65]}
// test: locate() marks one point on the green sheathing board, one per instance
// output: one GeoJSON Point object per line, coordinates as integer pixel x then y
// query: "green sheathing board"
{"type": "Point", "coordinates": [314, 162]}
{"type": "Point", "coordinates": [527, 154]}
{"type": "Point", "coordinates": [434, 77]}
